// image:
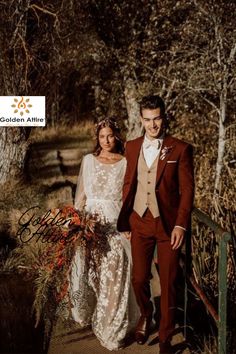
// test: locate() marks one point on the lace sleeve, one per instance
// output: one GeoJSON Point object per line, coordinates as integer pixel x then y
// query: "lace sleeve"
{"type": "Point", "coordinates": [80, 196]}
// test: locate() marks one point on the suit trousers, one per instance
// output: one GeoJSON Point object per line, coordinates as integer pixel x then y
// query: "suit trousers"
{"type": "Point", "coordinates": [144, 237]}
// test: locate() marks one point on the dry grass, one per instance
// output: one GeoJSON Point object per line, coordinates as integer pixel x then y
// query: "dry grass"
{"type": "Point", "coordinates": [205, 252]}
{"type": "Point", "coordinates": [82, 130]}
{"type": "Point", "coordinates": [208, 346]}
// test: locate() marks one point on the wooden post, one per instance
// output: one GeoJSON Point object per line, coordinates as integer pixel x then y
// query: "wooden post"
{"type": "Point", "coordinates": [222, 301]}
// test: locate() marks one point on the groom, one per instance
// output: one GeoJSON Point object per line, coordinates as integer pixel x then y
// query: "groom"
{"type": "Point", "coordinates": [157, 202]}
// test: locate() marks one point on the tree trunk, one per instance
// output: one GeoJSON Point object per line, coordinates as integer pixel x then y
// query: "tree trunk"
{"type": "Point", "coordinates": [221, 143]}
{"type": "Point", "coordinates": [133, 124]}
{"type": "Point", "coordinates": [13, 81]}
{"type": "Point", "coordinates": [97, 93]}
{"type": "Point", "coordinates": [12, 152]}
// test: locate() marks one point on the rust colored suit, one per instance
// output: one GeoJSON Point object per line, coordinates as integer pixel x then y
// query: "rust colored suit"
{"type": "Point", "coordinates": [174, 192]}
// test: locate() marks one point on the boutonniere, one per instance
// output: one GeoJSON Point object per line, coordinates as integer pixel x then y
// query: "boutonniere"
{"type": "Point", "coordinates": [164, 151]}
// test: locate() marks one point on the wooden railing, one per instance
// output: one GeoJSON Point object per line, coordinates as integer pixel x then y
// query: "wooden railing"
{"type": "Point", "coordinates": [219, 317]}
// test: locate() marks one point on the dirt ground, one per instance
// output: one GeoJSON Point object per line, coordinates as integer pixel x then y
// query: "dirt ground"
{"type": "Point", "coordinates": [75, 340]}
{"type": "Point", "coordinates": [83, 341]}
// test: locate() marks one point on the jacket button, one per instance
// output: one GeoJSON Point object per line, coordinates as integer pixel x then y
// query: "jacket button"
{"type": "Point", "coordinates": [149, 171]}
{"type": "Point", "coordinates": [148, 193]}
{"type": "Point", "coordinates": [149, 182]}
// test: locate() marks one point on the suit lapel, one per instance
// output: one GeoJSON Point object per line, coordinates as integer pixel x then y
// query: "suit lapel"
{"type": "Point", "coordinates": [136, 151]}
{"type": "Point", "coordinates": [133, 160]}
{"type": "Point", "coordinates": [166, 150]}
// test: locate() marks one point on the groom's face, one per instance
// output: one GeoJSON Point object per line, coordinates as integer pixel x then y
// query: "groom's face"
{"type": "Point", "coordinates": [152, 122]}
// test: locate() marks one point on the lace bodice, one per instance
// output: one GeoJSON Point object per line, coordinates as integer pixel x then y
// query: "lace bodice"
{"type": "Point", "coordinates": [99, 187]}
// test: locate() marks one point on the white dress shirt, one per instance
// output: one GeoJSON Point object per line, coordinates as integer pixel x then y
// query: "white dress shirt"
{"type": "Point", "coordinates": [151, 149]}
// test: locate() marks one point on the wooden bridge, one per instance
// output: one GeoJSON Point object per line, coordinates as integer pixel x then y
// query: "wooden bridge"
{"type": "Point", "coordinates": [76, 340]}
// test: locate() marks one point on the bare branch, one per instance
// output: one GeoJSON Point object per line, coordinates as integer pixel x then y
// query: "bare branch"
{"type": "Point", "coordinates": [231, 82]}
{"type": "Point", "coordinates": [231, 126]}
{"type": "Point", "coordinates": [219, 41]}
{"type": "Point", "coordinates": [201, 9]}
{"type": "Point", "coordinates": [34, 6]}
{"type": "Point", "coordinates": [170, 89]}
{"type": "Point", "coordinates": [172, 103]}
{"type": "Point", "coordinates": [16, 31]}
{"type": "Point", "coordinates": [198, 89]}
{"type": "Point", "coordinates": [213, 123]}
{"type": "Point", "coordinates": [232, 53]}
{"type": "Point", "coordinates": [163, 88]}
{"type": "Point", "coordinates": [205, 99]}
{"type": "Point", "coordinates": [19, 23]}
{"type": "Point", "coordinates": [26, 58]}
{"type": "Point", "coordinates": [231, 175]}
{"type": "Point", "coordinates": [211, 103]}
{"type": "Point", "coordinates": [46, 11]}
{"type": "Point", "coordinates": [36, 14]}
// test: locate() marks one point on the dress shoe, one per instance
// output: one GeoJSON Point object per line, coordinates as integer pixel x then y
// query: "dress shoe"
{"type": "Point", "coordinates": [165, 348]}
{"type": "Point", "coordinates": [142, 329]}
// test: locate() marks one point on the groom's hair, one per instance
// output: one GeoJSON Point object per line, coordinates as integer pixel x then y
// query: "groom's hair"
{"type": "Point", "coordinates": [152, 102]}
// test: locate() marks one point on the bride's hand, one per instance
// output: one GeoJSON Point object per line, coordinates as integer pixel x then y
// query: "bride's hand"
{"type": "Point", "coordinates": [127, 234]}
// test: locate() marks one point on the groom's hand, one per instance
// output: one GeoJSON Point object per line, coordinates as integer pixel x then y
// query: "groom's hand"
{"type": "Point", "coordinates": [127, 234]}
{"type": "Point", "coordinates": [177, 237]}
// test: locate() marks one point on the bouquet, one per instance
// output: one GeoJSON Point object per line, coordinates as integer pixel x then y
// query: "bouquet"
{"type": "Point", "coordinates": [47, 246]}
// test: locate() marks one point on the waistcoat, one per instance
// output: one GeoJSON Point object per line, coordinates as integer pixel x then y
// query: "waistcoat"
{"type": "Point", "coordinates": [145, 196]}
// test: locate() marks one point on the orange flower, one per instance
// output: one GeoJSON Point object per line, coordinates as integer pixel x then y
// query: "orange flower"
{"type": "Point", "coordinates": [60, 261]}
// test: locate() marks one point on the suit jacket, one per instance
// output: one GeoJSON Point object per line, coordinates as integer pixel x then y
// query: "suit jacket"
{"type": "Point", "coordinates": [174, 183]}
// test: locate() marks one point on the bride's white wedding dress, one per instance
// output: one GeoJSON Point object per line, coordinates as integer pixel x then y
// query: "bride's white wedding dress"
{"type": "Point", "coordinates": [111, 309]}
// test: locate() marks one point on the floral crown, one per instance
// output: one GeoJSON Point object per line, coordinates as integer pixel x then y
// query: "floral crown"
{"type": "Point", "coordinates": [109, 122]}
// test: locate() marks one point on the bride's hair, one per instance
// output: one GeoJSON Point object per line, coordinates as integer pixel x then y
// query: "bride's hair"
{"type": "Point", "coordinates": [110, 123]}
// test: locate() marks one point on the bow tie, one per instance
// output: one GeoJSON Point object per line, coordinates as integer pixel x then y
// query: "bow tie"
{"type": "Point", "coordinates": [156, 143]}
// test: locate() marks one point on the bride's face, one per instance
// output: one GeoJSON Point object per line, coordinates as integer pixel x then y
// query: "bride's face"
{"type": "Point", "coordinates": [107, 139]}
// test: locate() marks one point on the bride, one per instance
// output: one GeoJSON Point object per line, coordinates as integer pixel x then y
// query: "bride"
{"type": "Point", "coordinates": [110, 308]}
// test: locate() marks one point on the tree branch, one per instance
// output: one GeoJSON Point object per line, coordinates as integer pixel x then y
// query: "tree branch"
{"type": "Point", "coordinates": [42, 9]}
{"type": "Point", "coordinates": [201, 9]}
{"type": "Point", "coordinates": [232, 53]}
{"type": "Point", "coordinates": [26, 57]}
{"type": "Point", "coordinates": [205, 99]}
